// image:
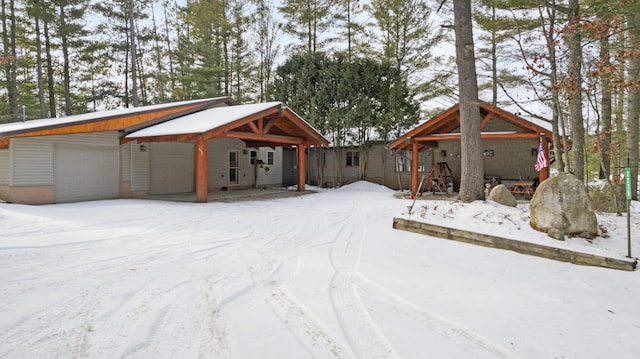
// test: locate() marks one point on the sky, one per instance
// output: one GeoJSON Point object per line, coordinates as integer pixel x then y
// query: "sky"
{"type": "Point", "coordinates": [322, 275]}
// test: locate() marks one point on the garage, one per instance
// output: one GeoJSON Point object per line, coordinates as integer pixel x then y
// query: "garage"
{"type": "Point", "coordinates": [85, 172]}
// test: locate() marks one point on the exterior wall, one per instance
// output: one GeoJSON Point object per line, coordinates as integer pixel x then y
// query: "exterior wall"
{"type": "Point", "coordinates": [172, 167]}
{"type": "Point", "coordinates": [140, 169]}
{"type": "Point", "coordinates": [380, 168]}
{"type": "Point", "coordinates": [249, 175]}
{"type": "Point", "coordinates": [4, 175]}
{"type": "Point", "coordinates": [4, 167]}
{"type": "Point", "coordinates": [512, 160]}
{"type": "Point", "coordinates": [31, 194]}
{"type": "Point", "coordinates": [31, 171]}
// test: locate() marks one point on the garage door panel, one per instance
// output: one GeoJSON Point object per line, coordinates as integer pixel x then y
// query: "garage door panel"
{"type": "Point", "coordinates": [85, 172]}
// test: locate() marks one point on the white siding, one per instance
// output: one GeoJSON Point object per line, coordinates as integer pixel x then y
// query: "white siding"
{"type": "Point", "coordinates": [139, 167]}
{"type": "Point", "coordinates": [31, 158]}
{"type": "Point", "coordinates": [31, 163]}
{"type": "Point", "coordinates": [172, 167]}
{"type": "Point", "coordinates": [4, 167]}
{"type": "Point", "coordinates": [218, 163]}
{"type": "Point", "coordinates": [274, 175]}
{"type": "Point", "coordinates": [125, 162]}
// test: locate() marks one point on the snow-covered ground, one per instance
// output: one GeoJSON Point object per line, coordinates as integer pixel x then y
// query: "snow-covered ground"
{"type": "Point", "coordinates": [317, 276]}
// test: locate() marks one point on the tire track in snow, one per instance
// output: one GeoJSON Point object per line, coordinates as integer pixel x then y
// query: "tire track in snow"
{"type": "Point", "coordinates": [364, 336]}
{"type": "Point", "coordinates": [452, 332]}
{"type": "Point", "coordinates": [316, 338]}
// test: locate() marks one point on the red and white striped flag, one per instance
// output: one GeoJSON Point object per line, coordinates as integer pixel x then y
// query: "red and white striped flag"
{"type": "Point", "coordinates": [541, 161]}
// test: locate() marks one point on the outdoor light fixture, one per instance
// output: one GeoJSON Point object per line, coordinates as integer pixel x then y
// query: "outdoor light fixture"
{"type": "Point", "coordinates": [443, 153]}
{"type": "Point", "coordinates": [143, 148]}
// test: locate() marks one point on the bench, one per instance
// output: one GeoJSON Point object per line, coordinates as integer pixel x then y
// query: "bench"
{"type": "Point", "coordinates": [522, 188]}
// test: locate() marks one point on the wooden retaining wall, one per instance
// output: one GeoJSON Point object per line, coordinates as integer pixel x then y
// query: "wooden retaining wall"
{"type": "Point", "coordinates": [534, 249]}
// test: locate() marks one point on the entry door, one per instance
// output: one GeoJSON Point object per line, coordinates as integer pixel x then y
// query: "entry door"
{"type": "Point", "coordinates": [234, 167]}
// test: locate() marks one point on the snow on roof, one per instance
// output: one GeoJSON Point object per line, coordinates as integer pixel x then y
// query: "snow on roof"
{"type": "Point", "coordinates": [538, 122]}
{"type": "Point", "coordinates": [203, 121]}
{"type": "Point", "coordinates": [91, 116]}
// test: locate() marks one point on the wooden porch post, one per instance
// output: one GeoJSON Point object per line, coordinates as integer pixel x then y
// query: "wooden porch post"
{"type": "Point", "coordinates": [301, 168]}
{"type": "Point", "coordinates": [414, 168]}
{"type": "Point", "coordinates": [201, 170]}
{"type": "Point", "coordinates": [544, 173]}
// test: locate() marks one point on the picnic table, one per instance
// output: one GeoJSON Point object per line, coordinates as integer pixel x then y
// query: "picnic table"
{"type": "Point", "coordinates": [522, 188]}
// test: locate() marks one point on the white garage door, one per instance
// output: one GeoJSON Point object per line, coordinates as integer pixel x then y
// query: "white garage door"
{"type": "Point", "coordinates": [171, 168]}
{"type": "Point", "coordinates": [85, 172]}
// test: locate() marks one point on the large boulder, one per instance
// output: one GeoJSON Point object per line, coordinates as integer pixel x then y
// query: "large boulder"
{"type": "Point", "coordinates": [602, 197]}
{"type": "Point", "coordinates": [502, 195]}
{"type": "Point", "coordinates": [561, 204]}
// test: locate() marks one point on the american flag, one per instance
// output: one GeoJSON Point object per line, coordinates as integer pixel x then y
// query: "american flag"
{"type": "Point", "coordinates": [541, 161]}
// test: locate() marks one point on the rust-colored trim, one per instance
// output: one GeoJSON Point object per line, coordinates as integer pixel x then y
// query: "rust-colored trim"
{"type": "Point", "coordinates": [201, 170]}
{"type": "Point", "coordinates": [302, 170]}
{"type": "Point", "coordinates": [269, 138]}
{"type": "Point", "coordinates": [4, 143]}
{"type": "Point", "coordinates": [484, 136]}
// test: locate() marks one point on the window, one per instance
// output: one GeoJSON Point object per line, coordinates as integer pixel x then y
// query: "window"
{"type": "Point", "coordinates": [404, 161]}
{"type": "Point", "coordinates": [253, 156]}
{"type": "Point", "coordinates": [270, 157]}
{"type": "Point", "coordinates": [353, 158]}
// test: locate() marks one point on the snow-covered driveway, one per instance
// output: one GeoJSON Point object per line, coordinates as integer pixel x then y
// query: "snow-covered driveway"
{"type": "Point", "coordinates": [317, 276]}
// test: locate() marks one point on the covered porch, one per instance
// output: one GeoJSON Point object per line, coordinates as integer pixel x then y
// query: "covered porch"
{"type": "Point", "coordinates": [257, 125]}
{"type": "Point", "coordinates": [510, 147]}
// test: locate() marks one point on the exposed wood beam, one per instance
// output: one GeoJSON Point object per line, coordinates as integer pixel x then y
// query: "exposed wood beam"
{"type": "Point", "coordinates": [220, 131]}
{"type": "Point", "coordinates": [4, 143]}
{"type": "Point", "coordinates": [269, 138]}
{"type": "Point", "coordinates": [484, 136]}
{"type": "Point", "coordinates": [268, 125]}
{"type": "Point", "coordinates": [254, 128]}
{"type": "Point", "coordinates": [485, 120]}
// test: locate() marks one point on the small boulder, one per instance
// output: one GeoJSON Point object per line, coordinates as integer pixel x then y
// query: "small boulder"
{"type": "Point", "coordinates": [562, 203]}
{"type": "Point", "coordinates": [556, 233]}
{"type": "Point", "coordinates": [501, 194]}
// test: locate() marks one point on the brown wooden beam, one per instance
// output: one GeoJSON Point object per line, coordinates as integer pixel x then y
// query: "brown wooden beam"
{"type": "Point", "coordinates": [268, 138]}
{"type": "Point", "coordinates": [109, 124]}
{"type": "Point", "coordinates": [485, 136]}
{"type": "Point", "coordinates": [486, 119]}
{"type": "Point", "coordinates": [201, 170]}
{"type": "Point", "coordinates": [219, 131]}
{"type": "Point", "coordinates": [4, 143]}
{"type": "Point", "coordinates": [301, 168]}
{"type": "Point", "coordinates": [254, 128]}
{"type": "Point", "coordinates": [414, 168]}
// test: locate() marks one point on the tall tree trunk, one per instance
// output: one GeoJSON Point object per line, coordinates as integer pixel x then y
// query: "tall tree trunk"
{"type": "Point", "coordinates": [634, 101]}
{"type": "Point", "coordinates": [574, 90]}
{"type": "Point", "coordinates": [472, 165]}
{"type": "Point", "coordinates": [605, 131]}
{"type": "Point", "coordinates": [132, 42]}
{"type": "Point", "coordinates": [43, 109]}
{"type": "Point", "coordinates": [65, 69]}
{"type": "Point", "coordinates": [9, 46]}
{"type": "Point", "coordinates": [172, 77]}
{"type": "Point", "coordinates": [50, 74]}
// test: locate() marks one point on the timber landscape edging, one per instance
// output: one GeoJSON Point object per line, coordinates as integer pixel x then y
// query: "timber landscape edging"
{"type": "Point", "coordinates": [534, 249]}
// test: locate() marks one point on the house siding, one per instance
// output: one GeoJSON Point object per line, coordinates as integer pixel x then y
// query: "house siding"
{"type": "Point", "coordinates": [139, 168]}
{"type": "Point", "coordinates": [172, 167]}
{"type": "Point", "coordinates": [4, 167]}
{"type": "Point", "coordinates": [31, 162]}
